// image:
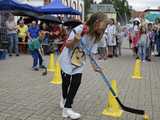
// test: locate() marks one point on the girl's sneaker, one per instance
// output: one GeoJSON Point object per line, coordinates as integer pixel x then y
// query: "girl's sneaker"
{"type": "Point", "coordinates": [35, 69]}
{"type": "Point", "coordinates": [68, 112]}
{"type": "Point", "coordinates": [42, 67]}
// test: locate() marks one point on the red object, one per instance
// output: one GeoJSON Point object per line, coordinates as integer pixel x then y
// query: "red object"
{"type": "Point", "coordinates": [56, 28]}
{"type": "Point", "coordinates": [85, 30]}
{"type": "Point", "coordinates": [136, 39]}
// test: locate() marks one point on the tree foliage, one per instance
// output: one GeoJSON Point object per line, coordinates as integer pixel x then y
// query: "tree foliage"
{"type": "Point", "coordinates": [87, 4]}
{"type": "Point", "coordinates": [121, 7]}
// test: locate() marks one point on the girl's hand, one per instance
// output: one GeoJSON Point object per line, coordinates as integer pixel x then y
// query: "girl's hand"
{"type": "Point", "coordinates": [77, 37]}
{"type": "Point", "coordinates": [99, 70]}
{"type": "Point", "coordinates": [96, 69]}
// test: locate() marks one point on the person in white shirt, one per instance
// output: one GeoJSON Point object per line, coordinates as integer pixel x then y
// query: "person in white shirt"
{"type": "Point", "coordinates": [12, 35]}
{"type": "Point", "coordinates": [72, 59]}
{"type": "Point", "coordinates": [102, 48]}
{"type": "Point", "coordinates": [111, 38]}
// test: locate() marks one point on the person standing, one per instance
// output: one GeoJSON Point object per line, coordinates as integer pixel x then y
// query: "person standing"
{"type": "Point", "coordinates": [111, 38]}
{"type": "Point", "coordinates": [22, 31]}
{"type": "Point", "coordinates": [72, 59]}
{"type": "Point", "coordinates": [33, 31]}
{"type": "Point", "coordinates": [12, 35]}
{"type": "Point", "coordinates": [120, 36]}
{"type": "Point", "coordinates": [150, 42]}
{"type": "Point", "coordinates": [135, 40]}
{"type": "Point", "coordinates": [158, 40]}
{"type": "Point", "coordinates": [34, 45]}
{"type": "Point", "coordinates": [142, 44]}
{"type": "Point", "coordinates": [102, 48]}
{"type": "Point", "coordinates": [22, 36]}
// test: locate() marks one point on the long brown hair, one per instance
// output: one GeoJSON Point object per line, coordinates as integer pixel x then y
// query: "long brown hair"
{"type": "Point", "coordinates": [100, 17]}
{"type": "Point", "coordinates": [141, 30]}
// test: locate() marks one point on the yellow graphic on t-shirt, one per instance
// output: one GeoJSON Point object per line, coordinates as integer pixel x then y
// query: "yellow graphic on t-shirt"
{"type": "Point", "coordinates": [78, 56]}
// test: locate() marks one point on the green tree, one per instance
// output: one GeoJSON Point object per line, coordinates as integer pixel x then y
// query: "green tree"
{"type": "Point", "coordinates": [87, 4]}
{"type": "Point", "coordinates": [122, 9]}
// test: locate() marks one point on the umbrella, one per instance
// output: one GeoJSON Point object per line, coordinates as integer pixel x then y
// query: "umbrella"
{"type": "Point", "coordinates": [46, 18]}
{"type": "Point", "coordinates": [29, 16]}
{"type": "Point", "coordinates": [49, 18]}
{"type": "Point", "coordinates": [25, 13]}
{"type": "Point", "coordinates": [72, 22]}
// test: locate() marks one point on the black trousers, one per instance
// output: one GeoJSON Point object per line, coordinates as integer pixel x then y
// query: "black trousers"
{"type": "Point", "coordinates": [70, 85]}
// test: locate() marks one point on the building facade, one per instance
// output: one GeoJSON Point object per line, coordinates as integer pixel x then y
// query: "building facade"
{"type": "Point", "coordinates": [77, 5]}
{"type": "Point", "coordinates": [108, 9]}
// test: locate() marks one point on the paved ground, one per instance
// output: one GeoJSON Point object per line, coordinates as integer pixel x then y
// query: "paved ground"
{"type": "Point", "coordinates": [26, 95]}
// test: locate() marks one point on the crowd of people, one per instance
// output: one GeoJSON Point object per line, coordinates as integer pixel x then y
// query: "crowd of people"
{"type": "Point", "coordinates": [53, 36]}
{"type": "Point", "coordinates": [103, 38]}
{"type": "Point", "coordinates": [30, 37]}
{"type": "Point", "coordinates": [145, 40]}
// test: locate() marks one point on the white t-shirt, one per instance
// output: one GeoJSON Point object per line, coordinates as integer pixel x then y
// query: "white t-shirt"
{"type": "Point", "coordinates": [111, 39]}
{"type": "Point", "coordinates": [11, 25]}
{"type": "Point", "coordinates": [103, 41]}
{"type": "Point", "coordinates": [66, 55]}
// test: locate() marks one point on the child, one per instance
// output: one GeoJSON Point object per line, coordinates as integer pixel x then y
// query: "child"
{"type": "Point", "coordinates": [142, 44]}
{"type": "Point", "coordinates": [102, 50]}
{"type": "Point", "coordinates": [35, 49]}
{"type": "Point", "coordinates": [111, 38]}
{"type": "Point", "coordinates": [150, 42]}
{"type": "Point", "coordinates": [121, 34]}
{"type": "Point", "coordinates": [136, 36]}
{"type": "Point", "coordinates": [72, 60]}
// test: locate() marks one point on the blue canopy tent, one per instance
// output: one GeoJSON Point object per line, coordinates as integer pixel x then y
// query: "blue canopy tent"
{"type": "Point", "coordinates": [56, 7]}
{"type": "Point", "coordinates": [14, 5]}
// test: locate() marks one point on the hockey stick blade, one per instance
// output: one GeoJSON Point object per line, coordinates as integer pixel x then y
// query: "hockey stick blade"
{"type": "Point", "coordinates": [45, 72]}
{"type": "Point", "coordinates": [129, 109]}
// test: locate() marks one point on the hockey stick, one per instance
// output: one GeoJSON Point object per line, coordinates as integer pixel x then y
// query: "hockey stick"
{"type": "Point", "coordinates": [105, 79]}
{"type": "Point", "coordinates": [45, 72]}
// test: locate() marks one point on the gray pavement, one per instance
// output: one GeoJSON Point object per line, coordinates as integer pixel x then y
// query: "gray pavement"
{"type": "Point", "coordinates": [26, 95]}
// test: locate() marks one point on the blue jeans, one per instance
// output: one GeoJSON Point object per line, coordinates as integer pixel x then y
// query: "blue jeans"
{"type": "Point", "coordinates": [158, 45]}
{"type": "Point", "coordinates": [148, 51]}
{"type": "Point", "coordinates": [36, 58]}
{"type": "Point", "coordinates": [13, 43]}
{"type": "Point", "coordinates": [142, 52]}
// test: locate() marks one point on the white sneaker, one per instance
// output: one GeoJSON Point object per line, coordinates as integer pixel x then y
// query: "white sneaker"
{"type": "Point", "coordinates": [62, 103]}
{"type": "Point", "coordinates": [68, 112]}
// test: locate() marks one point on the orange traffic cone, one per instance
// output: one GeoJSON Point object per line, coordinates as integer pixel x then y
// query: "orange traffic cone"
{"type": "Point", "coordinates": [112, 108]}
{"type": "Point", "coordinates": [57, 79]}
{"type": "Point", "coordinates": [51, 65]}
{"type": "Point", "coordinates": [137, 70]}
